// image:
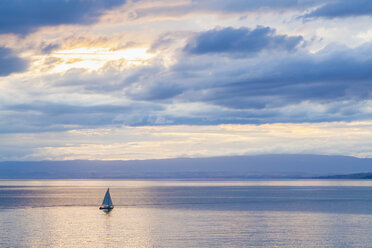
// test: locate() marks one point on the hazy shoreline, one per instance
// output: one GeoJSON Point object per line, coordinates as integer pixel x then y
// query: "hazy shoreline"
{"type": "Point", "coordinates": [283, 166]}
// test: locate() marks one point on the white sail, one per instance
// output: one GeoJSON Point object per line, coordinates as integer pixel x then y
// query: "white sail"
{"type": "Point", "coordinates": [107, 200]}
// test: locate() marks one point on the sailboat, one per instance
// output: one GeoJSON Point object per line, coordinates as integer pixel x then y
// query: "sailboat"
{"type": "Point", "coordinates": [107, 204]}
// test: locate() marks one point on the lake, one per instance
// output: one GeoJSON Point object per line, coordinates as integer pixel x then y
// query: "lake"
{"type": "Point", "coordinates": [181, 213]}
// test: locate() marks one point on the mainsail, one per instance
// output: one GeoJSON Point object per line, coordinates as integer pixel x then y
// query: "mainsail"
{"type": "Point", "coordinates": [107, 202]}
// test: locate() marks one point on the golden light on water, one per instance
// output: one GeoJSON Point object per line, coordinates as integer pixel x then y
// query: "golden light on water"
{"type": "Point", "coordinates": [93, 59]}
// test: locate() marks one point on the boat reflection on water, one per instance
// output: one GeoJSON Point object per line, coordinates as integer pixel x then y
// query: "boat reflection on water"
{"type": "Point", "coordinates": [107, 204]}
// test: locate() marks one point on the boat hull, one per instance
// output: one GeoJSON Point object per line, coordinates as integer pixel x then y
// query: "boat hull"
{"type": "Point", "coordinates": [106, 207]}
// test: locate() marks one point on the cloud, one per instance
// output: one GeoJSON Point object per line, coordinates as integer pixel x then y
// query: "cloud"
{"type": "Point", "coordinates": [176, 9]}
{"type": "Point", "coordinates": [286, 71]}
{"type": "Point", "coordinates": [41, 116]}
{"type": "Point", "coordinates": [260, 86]}
{"type": "Point", "coordinates": [334, 84]}
{"type": "Point", "coordinates": [24, 16]}
{"type": "Point", "coordinates": [148, 142]}
{"type": "Point", "coordinates": [10, 63]}
{"type": "Point", "coordinates": [335, 77]}
{"type": "Point", "coordinates": [242, 40]}
{"type": "Point", "coordinates": [243, 5]}
{"type": "Point", "coordinates": [153, 91]}
{"type": "Point", "coordinates": [46, 49]}
{"type": "Point", "coordinates": [341, 8]}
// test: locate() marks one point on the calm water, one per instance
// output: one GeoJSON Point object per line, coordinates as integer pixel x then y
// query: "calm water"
{"type": "Point", "coordinates": [255, 213]}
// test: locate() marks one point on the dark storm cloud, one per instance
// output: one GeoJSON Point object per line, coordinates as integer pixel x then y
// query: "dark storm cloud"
{"type": "Point", "coordinates": [25, 16]}
{"type": "Point", "coordinates": [242, 41]}
{"type": "Point", "coordinates": [343, 8]}
{"type": "Point", "coordinates": [10, 63]}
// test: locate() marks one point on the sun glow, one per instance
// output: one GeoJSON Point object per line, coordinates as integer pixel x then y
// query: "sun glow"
{"type": "Point", "coordinates": [93, 59]}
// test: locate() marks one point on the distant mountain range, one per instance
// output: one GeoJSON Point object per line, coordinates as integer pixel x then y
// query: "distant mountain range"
{"type": "Point", "coordinates": [233, 167]}
{"type": "Point", "coordinates": [348, 176]}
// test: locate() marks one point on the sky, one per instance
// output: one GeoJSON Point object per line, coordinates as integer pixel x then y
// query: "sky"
{"type": "Point", "coordinates": [145, 79]}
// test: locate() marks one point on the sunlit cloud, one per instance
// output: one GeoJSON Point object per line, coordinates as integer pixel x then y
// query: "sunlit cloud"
{"type": "Point", "coordinates": [93, 59]}
{"type": "Point", "coordinates": [148, 142]}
